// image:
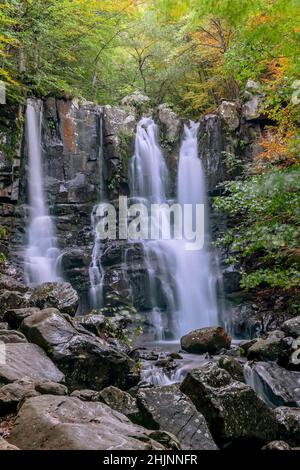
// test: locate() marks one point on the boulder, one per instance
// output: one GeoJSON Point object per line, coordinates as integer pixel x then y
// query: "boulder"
{"type": "Point", "coordinates": [4, 445]}
{"type": "Point", "coordinates": [253, 101]}
{"type": "Point", "coordinates": [11, 394]}
{"type": "Point", "coordinates": [277, 445]}
{"type": "Point", "coordinates": [232, 409]}
{"type": "Point", "coordinates": [289, 424]}
{"type": "Point", "coordinates": [276, 385]}
{"type": "Point", "coordinates": [14, 317]}
{"type": "Point", "coordinates": [170, 122]}
{"type": "Point", "coordinates": [229, 113]}
{"type": "Point", "coordinates": [136, 100]}
{"type": "Point", "coordinates": [24, 360]}
{"type": "Point", "coordinates": [270, 348]}
{"type": "Point", "coordinates": [122, 402]}
{"type": "Point", "coordinates": [60, 295]}
{"type": "Point", "coordinates": [11, 336]}
{"type": "Point", "coordinates": [87, 361]}
{"type": "Point", "coordinates": [211, 340]}
{"type": "Point", "coordinates": [292, 327]}
{"type": "Point", "coordinates": [66, 423]}
{"type": "Point", "coordinates": [234, 367]}
{"type": "Point", "coordinates": [168, 409]}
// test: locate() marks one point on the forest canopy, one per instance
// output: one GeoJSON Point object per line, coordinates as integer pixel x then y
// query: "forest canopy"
{"type": "Point", "coordinates": [191, 53]}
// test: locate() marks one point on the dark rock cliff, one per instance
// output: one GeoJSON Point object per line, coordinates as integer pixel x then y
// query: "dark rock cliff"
{"type": "Point", "coordinates": [86, 151]}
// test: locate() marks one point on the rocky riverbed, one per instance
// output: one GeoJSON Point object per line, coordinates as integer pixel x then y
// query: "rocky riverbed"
{"type": "Point", "coordinates": [63, 376]}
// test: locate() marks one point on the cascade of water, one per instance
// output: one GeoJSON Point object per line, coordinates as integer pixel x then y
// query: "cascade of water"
{"type": "Point", "coordinates": [95, 269]}
{"type": "Point", "coordinates": [198, 306]}
{"type": "Point", "coordinates": [184, 277]}
{"type": "Point", "coordinates": [149, 181]}
{"type": "Point", "coordinates": [42, 253]}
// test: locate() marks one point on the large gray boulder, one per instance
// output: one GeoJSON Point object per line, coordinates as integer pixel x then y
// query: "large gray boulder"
{"type": "Point", "coordinates": [211, 340]}
{"type": "Point", "coordinates": [278, 386]}
{"type": "Point", "coordinates": [270, 348]}
{"type": "Point", "coordinates": [87, 361]}
{"type": "Point", "coordinates": [66, 423]}
{"type": "Point", "coordinates": [170, 122]}
{"type": "Point", "coordinates": [168, 409]}
{"type": "Point", "coordinates": [60, 295]}
{"type": "Point", "coordinates": [136, 100]}
{"type": "Point", "coordinates": [229, 113]}
{"type": "Point", "coordinates": [232, 409]}
{"type": "Point", "coordinates": [289, 424]}
{"type": "Point", "coordinates": [253, 101]}
{"type": "Point", "coordinates": [27, 361]}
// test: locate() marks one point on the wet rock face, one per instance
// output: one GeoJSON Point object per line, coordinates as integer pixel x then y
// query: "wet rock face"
{"type": "Point", "coordinates": [10, 155]}
{"type": "Point", "coordinates": [280, 386]}
{"type": "Point", "coordinates": [211, 145]}
{"type": "Point", "coordinates": [232, 409]}
{"type": "Point", "coordinates": [55, 295]}
{"type": "Point", "coordinates": [210, 340]}
{"type": "Point", "coordinates": [87, 361]}
{"type": "Point", "coordinates": [67, 423]}
{"type": "Point", "coordinates": [24, 360]}
{"type": "Point", "coordinates": [168, 409]}
{"type": "Point", "coordinates": [118, 139]}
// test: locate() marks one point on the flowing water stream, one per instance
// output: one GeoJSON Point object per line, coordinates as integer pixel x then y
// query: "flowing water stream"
{"type": "Point", "coordinates": [184, 277]}
{"type": "Point", "coordinates": [41, 255]}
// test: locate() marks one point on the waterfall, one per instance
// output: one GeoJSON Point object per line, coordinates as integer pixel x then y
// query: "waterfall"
{"type": "Point", "coordinates": [95, 269]}
{"type": "Point", "coordinates": [42, 253]}
{"type": "Point", "coordinates": [149, 182]}
{"type": "Point", "coordinates": [196, 281]}
{"type": "Point", "coordinates": [184, 277]}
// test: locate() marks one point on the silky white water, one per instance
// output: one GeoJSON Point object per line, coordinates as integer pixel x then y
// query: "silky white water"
{"type": "Point", "coordinates": [184, 277]}
{"type": "Point", "coordinates": [95, 269]}
{"type": "Point", "coordinates": [196, 282]}
{"type": "Point", "coordinates": [42, 253]}
{"type": "Point", "coordinates": [149, 182]}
